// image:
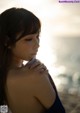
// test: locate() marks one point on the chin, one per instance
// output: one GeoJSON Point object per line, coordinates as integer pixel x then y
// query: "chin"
{"type": "Point", "coordinates": [30, 58]}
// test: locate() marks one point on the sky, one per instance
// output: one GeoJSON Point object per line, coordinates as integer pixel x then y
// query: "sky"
{"type": "Point", "coordinates": [59, 19]}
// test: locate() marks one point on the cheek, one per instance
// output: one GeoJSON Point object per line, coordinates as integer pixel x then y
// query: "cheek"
{"type": "Point", "coordinates": [16, 52]}
{"type": "Point", "coordinates": [21, 50]}
{"type": "Point", "coordinates": [27, 47]}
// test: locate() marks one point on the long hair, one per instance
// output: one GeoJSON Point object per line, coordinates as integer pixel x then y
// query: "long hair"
{"type": "Point", "coordinates": [14, 24]}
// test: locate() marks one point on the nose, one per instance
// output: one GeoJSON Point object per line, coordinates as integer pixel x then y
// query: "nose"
{"type": "Point", "coordinates": [36, 43]}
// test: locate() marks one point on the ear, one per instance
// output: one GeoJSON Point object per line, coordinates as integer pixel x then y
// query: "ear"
{"type": "Point", "coordinates": [9, 47]}
{"type": "Point", "coordinates": [7, 42]}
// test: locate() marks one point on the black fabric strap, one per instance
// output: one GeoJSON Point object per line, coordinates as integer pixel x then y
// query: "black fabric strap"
{"type": "Point", "coordinates": [57, 106]}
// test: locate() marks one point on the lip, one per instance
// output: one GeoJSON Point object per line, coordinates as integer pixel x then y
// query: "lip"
{"type": "Point", "coordinates": [34, 53]}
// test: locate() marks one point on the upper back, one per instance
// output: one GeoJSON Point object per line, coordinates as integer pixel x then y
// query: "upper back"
{"type": "Point", "coordinates": [19, 90]}
{"type": "Point", "coordinates": [28, 92]}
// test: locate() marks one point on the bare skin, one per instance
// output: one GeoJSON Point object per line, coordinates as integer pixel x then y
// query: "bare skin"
{"type": "Point", "coordinates": [28, 89]}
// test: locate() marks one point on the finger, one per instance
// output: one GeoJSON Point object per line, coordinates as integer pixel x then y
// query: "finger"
{"type": "Point", "coordinates": [44, 66]}
{"type": "Point", "coordinates": [35, 65]}
{"type": "Point", "coordinates": [41, 68]}
{"type": "Point", "coordinates": [31, 63]}
{"type": "Point", "coordinates": [44, 71]}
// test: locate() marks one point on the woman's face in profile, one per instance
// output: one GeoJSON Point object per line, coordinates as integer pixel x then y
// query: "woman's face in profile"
{"type": "Point", "coordinates": [26, 48]}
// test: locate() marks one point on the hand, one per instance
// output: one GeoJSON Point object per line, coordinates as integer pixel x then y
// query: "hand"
{"type": "Point", "coordinates": [37, 66]}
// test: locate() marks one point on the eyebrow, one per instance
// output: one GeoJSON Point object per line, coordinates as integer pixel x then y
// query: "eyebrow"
{"type": "Point", "coordinates": [29, 36]}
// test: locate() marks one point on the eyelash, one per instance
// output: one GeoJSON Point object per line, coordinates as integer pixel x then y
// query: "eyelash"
{"type": "Point", "coordinates": [28, 39]}
{"type": "Point", "coordinates": [31, 39]}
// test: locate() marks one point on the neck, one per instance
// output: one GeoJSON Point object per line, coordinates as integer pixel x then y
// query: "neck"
{"type": "Point", "coordinates": [16, 63]}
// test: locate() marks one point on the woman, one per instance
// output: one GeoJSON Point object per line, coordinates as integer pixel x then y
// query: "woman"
{"type": "Point", "coordinates": [24, 88]}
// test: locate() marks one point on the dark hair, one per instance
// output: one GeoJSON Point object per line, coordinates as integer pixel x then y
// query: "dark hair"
{"type": "Point", "coordinates": [13, 22]}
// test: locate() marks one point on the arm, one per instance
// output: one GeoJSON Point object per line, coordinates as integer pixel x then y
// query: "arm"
{"type": "Point", "coordinates": [44, 91]}
{"type": "Point", "coordinates": [52, 83]}
{"type": "Point", "coordinates": [46, 95]}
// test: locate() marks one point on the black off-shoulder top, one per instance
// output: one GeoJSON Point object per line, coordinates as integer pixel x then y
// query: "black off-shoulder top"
{"type": "Point", "coordinates": [57, 106]}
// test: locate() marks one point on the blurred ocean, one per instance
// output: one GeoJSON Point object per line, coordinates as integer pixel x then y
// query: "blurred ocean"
{"type": "Point", "coordinates": [67, 51]}
{"type": "Point", "coordinates": [63, 62]}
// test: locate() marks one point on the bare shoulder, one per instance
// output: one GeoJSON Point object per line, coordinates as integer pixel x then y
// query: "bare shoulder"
{"type": "Point", "coordinates": [21, 77]}
{"type": "Point", "coordinates": [38, 84]}
{"type": "Point", "coordinates": [19, 80]}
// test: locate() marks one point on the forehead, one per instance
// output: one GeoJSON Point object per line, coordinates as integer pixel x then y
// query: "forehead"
{"type": "Point", "coordinates": [22, 35]}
